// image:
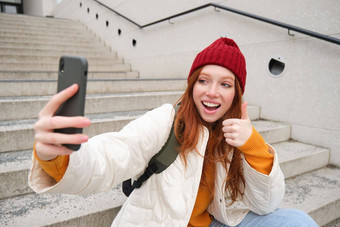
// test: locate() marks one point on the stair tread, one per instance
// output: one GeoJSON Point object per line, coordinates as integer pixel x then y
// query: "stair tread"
{"type": "Point", "coordinates": [52, 44]}
{"type": "Point", "coordinates": [68, 38]}
{"type": "Point", "coordinates": [291, 150]}
{"type": "Point", "coordinates": [15, 75]}
{"type": "Point", "coordinates": [28, 123]}
{"type": "Point", "coordinates": [316, 193]}
{"type": "Point", "coordinates": [94, 80]}
{"type": "Point", "coordinates": [266, 125]}
{"type": "Point", "coordinates": [90, 96]}
{"type": "Point", "coordinates": [38, 45]}
{"type": "Point", "coordinates": [47, 209]}
{"type": "Point", "coordinates": [15, 161]}
{"type": "Point", "coordinates": [35, 33]}
{"type": "Point", "coordinates": [37, 87]}
{"type": "Point", "coordinates": [24, 67]}
{"type": "Point", "coordinates": [49, 52]}
{"type": "Point", "coordinates": [29, 17]}
{"type": "Point", "coordinates": [297, 158]}
{"type": "Point", "coordinates": [303, 191]}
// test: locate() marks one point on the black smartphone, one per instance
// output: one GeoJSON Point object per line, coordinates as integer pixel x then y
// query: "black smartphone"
{"type": "Point", "coordinates": [72, 70]}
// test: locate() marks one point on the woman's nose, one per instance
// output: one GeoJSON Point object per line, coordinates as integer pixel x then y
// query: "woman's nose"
{"type": "Point", "coordinates": [212, 91]}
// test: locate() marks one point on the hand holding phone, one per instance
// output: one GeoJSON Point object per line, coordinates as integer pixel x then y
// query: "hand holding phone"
{"type": "Point", "coordinates": [47, 141]}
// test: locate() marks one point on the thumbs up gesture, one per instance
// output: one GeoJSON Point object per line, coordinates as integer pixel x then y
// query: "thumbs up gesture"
{"type": "Point", "coordinates": [237, 131]}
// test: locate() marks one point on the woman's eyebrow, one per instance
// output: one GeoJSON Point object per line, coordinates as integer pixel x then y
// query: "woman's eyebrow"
{"type": "Point", "coordinates": [227, 78]}
{"type": "Point", "coordinates": [205, 74]}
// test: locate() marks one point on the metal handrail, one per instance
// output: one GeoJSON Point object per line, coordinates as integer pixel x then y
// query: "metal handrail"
{"type": "Point", "coordinates": [256, 17]}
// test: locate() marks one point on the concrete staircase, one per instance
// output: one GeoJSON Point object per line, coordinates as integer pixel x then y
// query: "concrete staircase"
{"type": "Point", "coordinates": [29, 51]}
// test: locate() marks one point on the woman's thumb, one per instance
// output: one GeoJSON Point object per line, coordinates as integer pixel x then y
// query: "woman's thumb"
{"type": "Point", "coordinates": [244, 111]}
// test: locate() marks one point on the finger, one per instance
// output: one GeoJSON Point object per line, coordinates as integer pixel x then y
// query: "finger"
{"type": "Point", "coordinates": [244, 111]}
{"type": "Point", "coordinates": [227, 129]}
{"type": "Point", "coordinates": [60, 138]}
{"type": "Point", "coordinates": [49, 151]}
{"type": "Point", "coordinates": [229, 135]}
{"type": "Point", "coordinates": [232, 125]}
{"type": "Point", "coordinates": [54, 103]}
{"type": "Point", "coordinates": [229, 122]}
{"type": "Point", "coordinates": [230, 141]}
{"type": "Point", "coordinates": [230, 129]}
{"type": "Point", "coordinates": [58, 122]}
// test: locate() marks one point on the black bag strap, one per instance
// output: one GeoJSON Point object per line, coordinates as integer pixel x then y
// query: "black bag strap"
{"type": "Point", "coordinates": [158, 163]}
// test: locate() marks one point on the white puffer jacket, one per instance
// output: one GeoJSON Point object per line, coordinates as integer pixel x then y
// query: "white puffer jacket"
{"type": "Point", "coordinates": [165, 199]}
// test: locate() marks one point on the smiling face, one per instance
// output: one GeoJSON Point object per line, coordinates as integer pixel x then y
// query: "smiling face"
{"type": "Point", "coordinates": [214, 92]}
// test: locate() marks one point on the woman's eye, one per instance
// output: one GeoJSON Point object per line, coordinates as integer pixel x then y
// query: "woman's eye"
{"type": "Point", "coordinates": [202, 81]}
{"type": "Point", "coordinates": [226, 85]}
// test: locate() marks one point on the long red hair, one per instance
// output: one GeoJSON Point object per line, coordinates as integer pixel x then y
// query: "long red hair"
{"type": "Point", "coordinates": [188, 125]}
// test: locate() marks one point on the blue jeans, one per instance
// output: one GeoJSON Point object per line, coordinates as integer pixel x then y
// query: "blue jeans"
{"type": "Point", "coordinates": [280, 217]}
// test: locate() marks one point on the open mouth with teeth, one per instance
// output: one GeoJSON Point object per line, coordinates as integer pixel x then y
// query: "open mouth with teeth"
{"type": "Point", "coordinates": [211, 106]}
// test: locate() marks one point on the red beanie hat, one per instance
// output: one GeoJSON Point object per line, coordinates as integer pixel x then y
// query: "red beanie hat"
{"type": "Point", "coordinates": [226, 53]}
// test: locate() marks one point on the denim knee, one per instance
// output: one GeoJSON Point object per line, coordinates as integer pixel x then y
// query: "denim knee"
{"type": "Point", "coordinates": [292, 217]}
{"type": "Point", "coordinates": [278, 218]}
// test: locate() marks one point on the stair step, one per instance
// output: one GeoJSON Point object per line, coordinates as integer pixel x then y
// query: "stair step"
{"type": "Point", "coordinates": [32, 44]}
{"type": "Point", "coordinates": [75, 27]}
{"type": "Point", "coordinates": [61, 209]}
{"type": "Point", "coordinates": [54, 67]}
{"type": "Point", "coordinates": [34, 21]}
{"type": "Point", "coordinates": [94, 86]}
{"type": "Point", "coordinates": [18, 53]}
{"type": "Point", "coordinates": [12, 23]}
{"type": "Point", "coordinates": [271, 131]}
{"type": "Point", "coordinates": [297, 158]}
{"type": "Point", "coordinates": [51, 36]}
{"type": "Point", "coordinates": [47, 24]}
{"type": "Point", "coordinates": [43, 22]}
{"type": "Point", "coordinates": [41, 33]}
{"type": "Point", "coordinates": [316, 193]}
{"type": "Point", "coordinates": [253, 112]}
{"type": "Point", "coordinates": [43, 58]}
{"type": "Point", "coordinates": [23, 129]}
{"type": "Point", "coordinates": [28, 107]}
{"type": "Point", "coordinates": [335, 223]}
{"type": "Point", "coordinates": [36, 75]}
{"type": "Point", "coordinates": [51, 40]}
{"type": "Point", "coordinates": [14, 168]}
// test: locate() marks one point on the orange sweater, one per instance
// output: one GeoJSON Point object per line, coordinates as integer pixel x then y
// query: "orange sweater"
{"type": "Point", "coordinates": [256, 151]}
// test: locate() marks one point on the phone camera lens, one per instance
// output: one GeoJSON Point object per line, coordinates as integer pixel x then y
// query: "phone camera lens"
{"type": "Point", "coordinates": [61, 66]}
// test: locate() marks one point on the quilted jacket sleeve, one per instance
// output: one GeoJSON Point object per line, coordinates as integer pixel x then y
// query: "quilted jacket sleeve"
{"type": "Point", "coordinates": [108, 159]}
{"type": "Point", "coordinates": [263, 193]}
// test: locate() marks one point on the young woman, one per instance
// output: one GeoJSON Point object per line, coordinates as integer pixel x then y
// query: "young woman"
{"type": "Point", "coordinates": [225, 175]}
